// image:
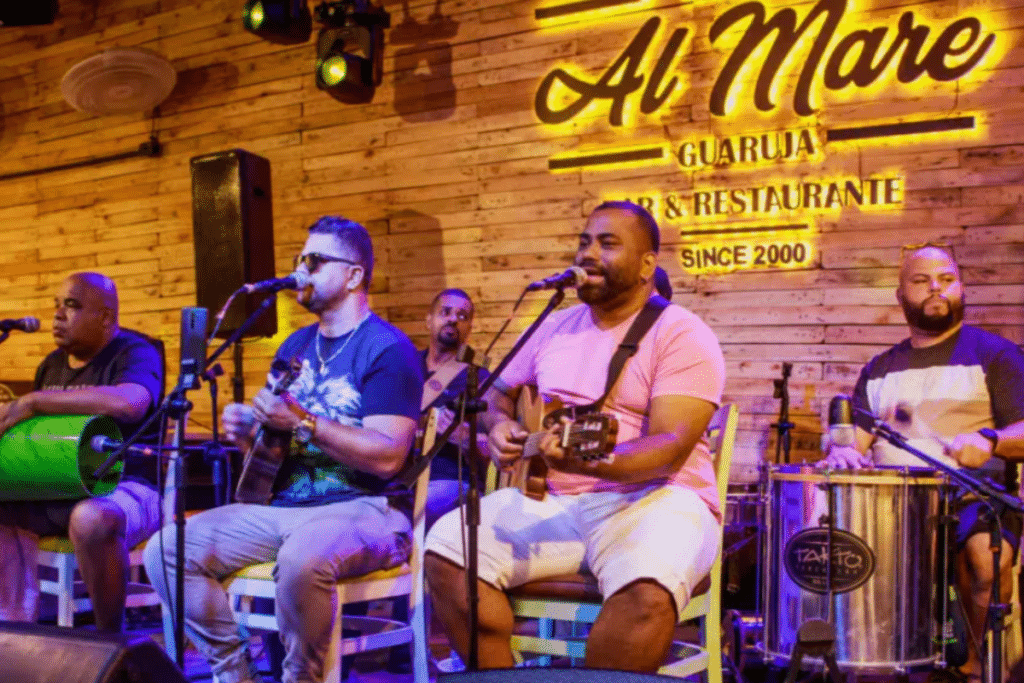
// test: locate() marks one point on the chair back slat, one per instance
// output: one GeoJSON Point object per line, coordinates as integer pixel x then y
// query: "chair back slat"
{"type": "Point", "coordinates": [721, 437]}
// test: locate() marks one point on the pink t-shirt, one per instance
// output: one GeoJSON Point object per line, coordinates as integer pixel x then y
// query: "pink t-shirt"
{"type": "Point", "coordinates": [568, 359]}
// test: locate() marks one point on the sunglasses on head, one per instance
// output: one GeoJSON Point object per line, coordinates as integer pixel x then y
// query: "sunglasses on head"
{"type": "Point", "coordinates": [313, 261]}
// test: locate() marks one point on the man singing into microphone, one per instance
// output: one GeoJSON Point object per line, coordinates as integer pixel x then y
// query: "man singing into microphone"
{"type": "Point", "coordinates": [97, 369]}
{"type": "Point", "coordinates": [957, 393]}
{"type": "Point", "coordinates": [352, 415]}
{"type": "Point", "coordinates": [644, 522]}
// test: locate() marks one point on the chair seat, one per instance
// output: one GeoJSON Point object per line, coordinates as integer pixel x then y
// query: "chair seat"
{"type": "Point", "coordinates": [580, 587]}
{"type": "Point", "coordinates": [265, 572]}
{"type": "Point", "coordinates": [62, 544]}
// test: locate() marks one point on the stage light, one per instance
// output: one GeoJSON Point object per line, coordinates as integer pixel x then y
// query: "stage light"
{"type": "Point", "coordinates": [280, 21]}
{"type": "Point", "coordinates": [350, 49]}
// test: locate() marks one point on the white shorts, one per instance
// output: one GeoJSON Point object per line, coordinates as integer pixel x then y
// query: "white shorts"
{"type": "Point", "coordinates": [662, 533]}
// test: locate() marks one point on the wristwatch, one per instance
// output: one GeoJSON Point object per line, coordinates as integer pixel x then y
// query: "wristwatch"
{"type": "Point", "coordinates": [306, 429]}
{"type": "Point", "coordinates": [992, 435]}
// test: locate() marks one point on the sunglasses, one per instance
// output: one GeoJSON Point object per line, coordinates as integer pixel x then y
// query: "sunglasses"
{"type": "Point", "coordinates": [313, 261]}
{"type": "Point", "coordinates": [914, 247]}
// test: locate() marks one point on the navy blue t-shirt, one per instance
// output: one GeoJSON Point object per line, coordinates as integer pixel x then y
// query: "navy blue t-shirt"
{"type": "Point", "coordinates": [372, 370]}
{"type": "Point", "coordinates": [446, 464]}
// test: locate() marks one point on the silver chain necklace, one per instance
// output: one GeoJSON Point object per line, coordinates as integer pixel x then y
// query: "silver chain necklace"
{"type": "Point", "coordinates": [320, 357]}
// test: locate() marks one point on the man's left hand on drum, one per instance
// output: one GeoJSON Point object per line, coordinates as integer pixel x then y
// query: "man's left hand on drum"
{"type": "Point", "coordinates": [14, 412]}
{"type": "Point", "coordinates": [970, 449]}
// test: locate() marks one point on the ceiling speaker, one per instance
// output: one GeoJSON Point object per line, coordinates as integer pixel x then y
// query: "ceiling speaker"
{"type": "Point", "coordinates": [120, 80]}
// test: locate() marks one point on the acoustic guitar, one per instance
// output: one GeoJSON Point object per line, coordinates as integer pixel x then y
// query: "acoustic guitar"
{"type": "Point", "coordinates": [269, 447]}
{"type": "Point", "coordinates": [585, 436]}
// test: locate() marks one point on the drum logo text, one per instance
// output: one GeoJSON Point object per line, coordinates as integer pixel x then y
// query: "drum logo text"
{"type": "Point", "coordinates": [807, 560]}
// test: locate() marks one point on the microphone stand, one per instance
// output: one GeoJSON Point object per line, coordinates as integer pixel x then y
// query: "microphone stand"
{"type": "Point", "coordinates": [472, 406]}
{"type": "Point", "coordinates": [782, 443]}
{"type": "Point", "coordinates": [177, 406]}
{"type": "Point", "coordinates": [998, 501]}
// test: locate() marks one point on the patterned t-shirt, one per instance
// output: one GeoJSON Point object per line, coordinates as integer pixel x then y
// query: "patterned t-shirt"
{"type": "Point", "coordinates": [972, 380]}
{"type": "Point", "coordinates": [568, 359]}
{"type": "Point", "coordinates": [373, 370]}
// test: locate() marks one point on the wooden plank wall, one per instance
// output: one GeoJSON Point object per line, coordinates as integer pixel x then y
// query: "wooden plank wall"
{"type": "Point", "coordinates": [448, 168]}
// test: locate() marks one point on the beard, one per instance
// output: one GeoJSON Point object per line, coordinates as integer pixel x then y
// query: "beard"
{"type": "Point", "coordinates": [931, 322]}
{"type": "Point", "coordinates": [616, 282]}
{"type": "Point", "coordinates": [448, 337]}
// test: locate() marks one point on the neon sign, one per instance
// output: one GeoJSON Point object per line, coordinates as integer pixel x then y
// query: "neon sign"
{"type": "Point", "coordinates": [859, 59]}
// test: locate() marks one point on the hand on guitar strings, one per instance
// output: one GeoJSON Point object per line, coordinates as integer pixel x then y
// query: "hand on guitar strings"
{"type": "Point", "coordinates": [270, 410]}
{"type": "Point", "coordinates": [506, 441]}
{"type": "Point", "coordinates": [238, 421]}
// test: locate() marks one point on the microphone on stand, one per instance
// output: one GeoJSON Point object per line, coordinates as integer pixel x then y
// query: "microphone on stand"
{"type": "Point", "coordinates": [27, 324]}
{"type": "Point", "coordinates": [104, 444]}
{"type": "Point", "coordinates": [573, 277]}
{"type": "Point", "coordinates": [296, 280]}
{"type": "Point", "coordinates": [841, 431]}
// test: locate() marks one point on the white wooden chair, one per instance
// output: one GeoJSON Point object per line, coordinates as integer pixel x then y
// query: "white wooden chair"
{"type": "Point", "coordinates": [376, 633]}
{"type": "Point", "coordinates": [57, 553]}
{"type": "Point", "coordinates": [576, 599]}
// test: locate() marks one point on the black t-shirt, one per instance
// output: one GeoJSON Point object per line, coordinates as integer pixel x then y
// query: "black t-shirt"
{"type": "Point", "coordinates": [127, 359]}
{"type": "Point", "coordinates": [446, 463]}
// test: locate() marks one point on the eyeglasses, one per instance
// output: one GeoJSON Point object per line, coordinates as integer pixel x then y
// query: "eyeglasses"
{"type": "Point", "coordinates": [313, 261]}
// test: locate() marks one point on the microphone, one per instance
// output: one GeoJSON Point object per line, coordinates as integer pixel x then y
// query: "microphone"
{"type": "Point", "coordinates": [29, 324]}
{"type": "Point", "coordinates": [573, 277]}
{"type": "Point", "coordinates": [104, 444]}
{"type": "Point", "coordinates": [295, 280]}
{"type": "Point", "coordinates": [841, 431]}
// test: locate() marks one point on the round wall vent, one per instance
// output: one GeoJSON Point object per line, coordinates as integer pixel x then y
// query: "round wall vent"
{"type": "Point", "coordinates": [121, 80]}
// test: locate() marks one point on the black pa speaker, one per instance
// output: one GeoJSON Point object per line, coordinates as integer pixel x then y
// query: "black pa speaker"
{"type": "Point", "coordinates": [30, 653]}
{"type": "Point", "coordinates": [27, 13]}
{"type": "Point", "coordinates": [233, 235]}
{"type": "Point", "coordinates": [550, 675]}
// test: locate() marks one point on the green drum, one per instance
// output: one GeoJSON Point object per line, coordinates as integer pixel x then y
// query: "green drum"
{"type": "Point", "coordinates": [51, 457]}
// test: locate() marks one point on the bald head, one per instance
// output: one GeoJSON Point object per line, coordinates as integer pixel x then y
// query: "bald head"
{"type": "Point", "coordinates": [85, 314]}
{"type": "Point", "coordinates": [928, 254]}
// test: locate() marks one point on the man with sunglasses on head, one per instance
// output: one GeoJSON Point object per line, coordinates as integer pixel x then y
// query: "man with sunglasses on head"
{"type": "Point", "coordinates": [957, 393]}
{"type": "Point", "coordinates": [352, 414]}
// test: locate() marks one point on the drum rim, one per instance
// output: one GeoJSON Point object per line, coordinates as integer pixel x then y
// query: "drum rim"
{"type": "Point", "coordinates": [879, 474]}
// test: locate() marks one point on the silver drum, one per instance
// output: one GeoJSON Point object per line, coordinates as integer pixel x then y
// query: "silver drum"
{"type": "Point", "coordinates": [883, 571]}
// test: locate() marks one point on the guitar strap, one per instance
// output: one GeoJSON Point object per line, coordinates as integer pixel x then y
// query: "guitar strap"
{"type": "Point", "coordinates": [628, 348]}
{"type": "Point", "coordinates": [439, 381]}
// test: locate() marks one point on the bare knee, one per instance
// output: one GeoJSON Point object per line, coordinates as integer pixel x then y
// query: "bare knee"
{"type": "Point", "coordinates": [96, 521]}
{"type": "Point", "coordinates": [979, 560]}
{"type": "Point", "coordinates": [647, 601]}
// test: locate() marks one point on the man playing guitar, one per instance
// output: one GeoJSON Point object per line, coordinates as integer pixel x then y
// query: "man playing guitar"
{"type": "Point", "coordinates": [645, 520]}
{"type": "Point", "coordinates": [351, 416]}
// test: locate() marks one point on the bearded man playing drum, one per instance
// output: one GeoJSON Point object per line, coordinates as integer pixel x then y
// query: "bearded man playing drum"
{"type": "Point", "coordinates": [957, 393]}
{"type": "Point", "coordinates": [97, 369]}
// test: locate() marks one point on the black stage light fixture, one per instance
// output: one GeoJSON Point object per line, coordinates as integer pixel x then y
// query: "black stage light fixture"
{"type": "Point", "coordinates": [350, 49]}
{"type": "Point", "coordinates": [280, 21]}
